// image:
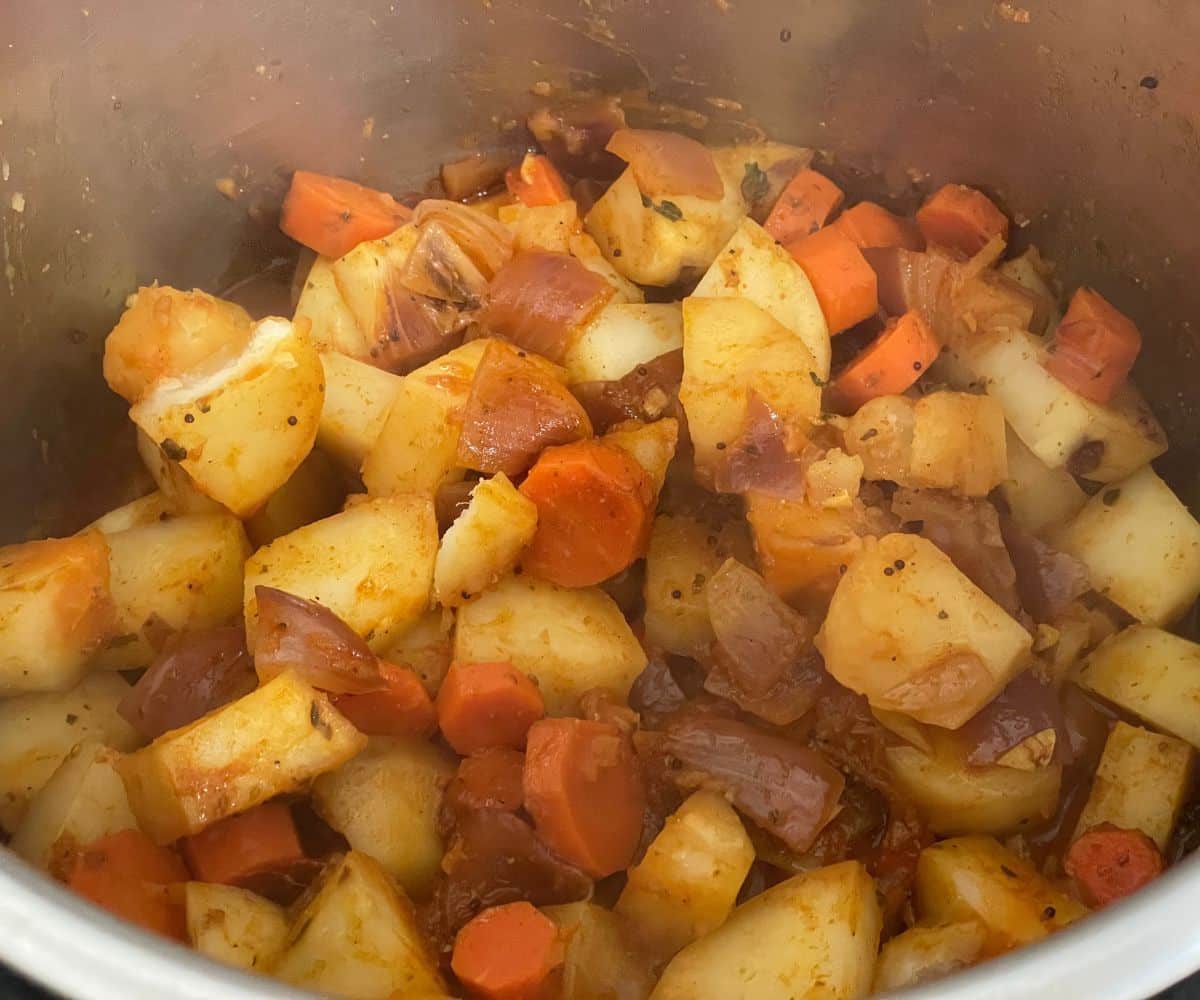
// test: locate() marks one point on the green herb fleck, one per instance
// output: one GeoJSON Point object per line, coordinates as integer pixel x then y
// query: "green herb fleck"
{"type": "Point", "coordinates": [754, 183]}
{"type": "Point", "coordinates": [669, 210]}
{"type": "Point", "coordinates": [819, 382]}
{"type": "Point", "coordinates": [646, 202]}
{"type": "Point", "coordinates": [1111, 497]}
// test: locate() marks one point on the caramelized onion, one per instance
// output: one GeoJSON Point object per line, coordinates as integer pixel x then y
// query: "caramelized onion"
{"type": "Point", "coordinates": [788, 789]}
{"type": "Point", "coordinates": [667, 163]}
{"type": "Point", "coordinates": [487, 243]}
{"type": "Point", "coordinates": [574, 136]}
{"type": "Point", "coordinates": [517, 406]}
{"type": "Point", "coordinates": [195, 673]}
{"type": "Point", "coordinates": [1047, 580]}
{"type": "Point", "coordinates": [1025, 708]}
{"type": "Point", "coordinates": [416, 329]}
{"type": "Point", "coordinates": [296, 634]}
{"type": "Point", "coordinates": [914, 280]}
{"type": "Point", "coordinates": [438, 268]}
{"type": "Point", "coordinates": [766, 456]}
{"type": "Point", "coordinates": [648, 393]}
{"type": "Point", "coordinates": [656, 694]}
{"type": "Point", "coordinates": [474, 175]}
{"type": "Point", "coordinates": [540, 301]}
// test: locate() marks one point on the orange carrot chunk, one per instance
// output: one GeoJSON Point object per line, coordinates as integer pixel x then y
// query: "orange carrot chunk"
{"type": "Point", "coordinates": [332, 215]}
{"type": "Point", "coordinates": [403, 708]}
{"type": "Point", "coordinates": [536, 182]}
{"type": "Point", "coordinates": [585, 795]}
{"type": "Point", "coordinates": [128, 874]}
{"type": "Point", "coordinates": [490, 779]}
{"type": "Point", "coordinates": [1093, 348]}
{"type": "Point", "coordinates": [871, 225]}
{"type": "Point", "coordinates": [804, 207]}
{"type": "Point", "coordinates": [594, 511]}
{"type": "Point", "coordinates": [962, 219]}
{"type": "Point", "coordinates": [844, 282]}
{"type": "Point", "coordinates": [1108, 863]}
{"type": "Point", "coordinates": [508, 952]}
{"type": "Point", "coordinates": [886, 367]}
{"type": "Point", "coordinates": [259, 840]}
{"type": "Point", "coordinates": [482, 705]}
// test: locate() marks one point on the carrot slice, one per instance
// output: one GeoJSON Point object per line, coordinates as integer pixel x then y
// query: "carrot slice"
{"type": "Point", "coordinates": [1094, 347]}
{"type": "Point", "coordinates": [594, 510]}
{"type": "Point", "coordinates": [962, 219]}
{"type": "Point", "coordinates": [332, 215]}
{"type": "Point", "coordinates": [403, 708]}
{"type": "Point", "coordinates": [482, 705]}
{"type": "Point", "coordinates": [888, 366]}
{"type": "Point", "coordinates": [536, 182]}
{"type": "Point", "coordinates": [490, 779]}
{"type": "Point", "coordinates": [259, 840]}
{"type": "Point", "coordinates": [871, 225]}
{"type": "Point", "coordinates": [128, 874]}
{"type": "Point", "coordinates": [1108, 863]}
{"type": "Point", "coordinates": [508, 952]}
{"type": "Point", "coordinates": [804, 207]}
{"type": "Point", "coordinates": [844, 282]}
{"type": "Point", "coordinates": [584, 793]}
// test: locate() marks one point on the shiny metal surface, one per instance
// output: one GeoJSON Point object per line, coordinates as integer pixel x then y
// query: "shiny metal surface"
{"type": "Point", "coordinates": [118, 117]}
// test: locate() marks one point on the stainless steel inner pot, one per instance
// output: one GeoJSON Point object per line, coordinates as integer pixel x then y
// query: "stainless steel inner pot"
{"type": "Point", "coordinates": [119, 117]}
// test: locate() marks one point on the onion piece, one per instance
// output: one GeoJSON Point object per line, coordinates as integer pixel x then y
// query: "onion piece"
{"type": "Point", "coordinates": [1048, 581]}
{"type": "Point", "coordinates": [541, 301]}
{"type": "Point", "coordinates": [667, 163]}
{"type": "Point", "coordinates": [655, 693]}
{"type": "Point", "coordinates": [648, 393]}
{"type": "Point", "coordinates": [487, 243]}
{"type": "Point", "coordinates": [195, 673]}
{"type": "Point", "coordinates": [767, 456]}
{"type": "Point", "coordinates": [574, 136]}
{"type": "Point", "coordinates": [474, 175]}
{"type": "Point", "coordinates": [913, 280]}
{"type": "Point", "coordinates": [297, 634]}
{"type": "Point", "coordinates": [1023, 711]}
{"type": "Point", "coordinates": [787, 789]}
{"type": "Point", "coordinates": [416, 330]}
{"type": "Point", "coordinates": [518, 405]}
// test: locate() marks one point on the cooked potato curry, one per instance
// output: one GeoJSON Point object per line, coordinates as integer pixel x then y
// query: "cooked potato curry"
{"type": "Point", "coordinates": [640, 572]}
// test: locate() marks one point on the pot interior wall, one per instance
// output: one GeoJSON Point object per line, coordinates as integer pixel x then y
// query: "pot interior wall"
{"type": "Point", "coordinates": [116, 122]}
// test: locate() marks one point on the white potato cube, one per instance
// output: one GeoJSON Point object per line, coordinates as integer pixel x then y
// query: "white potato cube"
{"type": "Point", "coordinates": [83, 801]}
{"type": "Point", "coordinates": [38, 731]}
{"type": "Point", "coordinates": [587, 251]}
{"type": "Point", "coordinates": [975, 878]}
{"type": "Point", "coordinates": [177, 575]}
{"type": "Point", "coordinates": [688, 881]}
{"type": "Point", "coordinates": [601, 960]}
{"type": "Point", "coordinates": [1151, 674]}
{"type": "Point", "coordinates": [484, 542]}
{"type": "Point", "coordinates": [358, 938]}
{"type": "Point", "coordinates": [371, 565]}
{"type": "Point", "coordinates": [622, 336]}
{"type": "Point", "coordinates": [55, 611]}
{"type": "Point", "coordinates": [234, 926]}
{"type": "Point", "coordinates": [274, 740]}
{"type": "Point", "coordinates": [651, 445]}
{"type": "Point", "coordinates": [568, 640]}
{"type": "Point", "coordinates": [1141, 783]}
{"type": "Point", "coordinates": [542, 227]}
{"type": "Point", "coordinates": [426, 647]}
{"type": "Point", "coordinates": [907, 629]}
{"type": "Point", "coordinates": [144, 510]}
{"type": "Point", "coordinates": [172, 480]}
{"type": "Point", "coordinates": [357, 399]}
{"type": "Point", "coordinates": [731, 346]}
{"type": "Point", "coordinates": [1141, 546]}
{"type": "Point", "coordinates": [753, 266]}
{"type": "Point", "coordinates": [923, 954]}
{"type": "Point", "coordinates": [385, 802]}
{"type": "Point", "coordinates": [958, 443]}
{"type": "Point", "coordinates": [242, 429]}
{"type": "Point", "coordinates": [813, 936]}
{"type": "Point", "coordinates": [881, 433]}
{"type": "Point", "coordinates": [1039, 498]}
{"type": "Point", "coordinates": [316, 490]}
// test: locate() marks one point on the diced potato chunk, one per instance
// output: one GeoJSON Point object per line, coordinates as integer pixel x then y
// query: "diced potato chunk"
{"type": "Point", "coordinates": [242, 429]}
{"type": "Point", "coordinates": [83, 801]}
{"type": "Point", "coordinates": [1055, 422]}
{"type": "Point", "coordinates": [1141, 547]}
{"type": "Point", "coordinates": [958, 443]}
{"type": "Point", "coordinates": [178, 575]}
{"type": "Point", "coordinates": [358, 938]}
{"type": "Point", "coordinates": [234, 926]}
{"type": "Point", "coordinates": [1151, 674]}
{"type": "Point", "coordinates": [172, 480]}
{"type": "Point", "coordinates": [731, 346]}
{"type": "Point", "coordinates": [144, 510]}
{"type": "Point", "coordinates": [601, 961]}
{"type": "Point", "coordinates": [907, 629]}
{"type": "Point", "coordinates": [55, 611]}
{"type": "Point", "coordinates": [812, 936]}
{"type": "Point", "coordinates": [651, 445]}
{"type": "Point", "coordinates": [315, 490]}
{"type": "Point", "coordinates": [833, 480]}
{"type": "Point", "coordinates": [568, 640]}
{"type": "Point", "coordinates": [416, 450]}
{"type": "Point", "coordinates": [426, 647]}
{"type": "Point", "coordinates": [956, 798]}
{"type": "Point", "coordinates": [622, 336]}
{"type": "Point", "coordinates": [684, 552]}
{"type": "Point", "coordinates": [1140, 784]}
{"type": "Point", "coordinates": [484, 541]}
{"type": "Point", "coordinates": [687, 883]}
{"type": "Point", "coordinates": [1039, 498]}
{"type": "Point", "coordinates": [923, 954]}
{"type": "Point", "coordinates": [881, 433]}
{"type": "Point", "coordinates": [371, 565]}
{"type": "Point", "coordinates": [271, 741]}
{"type": "Point", "coordinates": [357, 399]}
{"type": "Point", "coordinates": [385, 802]}
{"type": "Point", "coordinates": [38, 731]}
{"type": "Point", "coordinates": [542, 227]}
{"type": "Point", "coordinates": [753, 266]}
{"type": "Point", "coordinates": [974, 878]}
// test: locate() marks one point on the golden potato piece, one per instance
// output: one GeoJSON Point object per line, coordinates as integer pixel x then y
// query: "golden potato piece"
{"type": "Point", "coordinates": [357, 399]}
{"type": "Point", "coordinates": [234, 926]}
